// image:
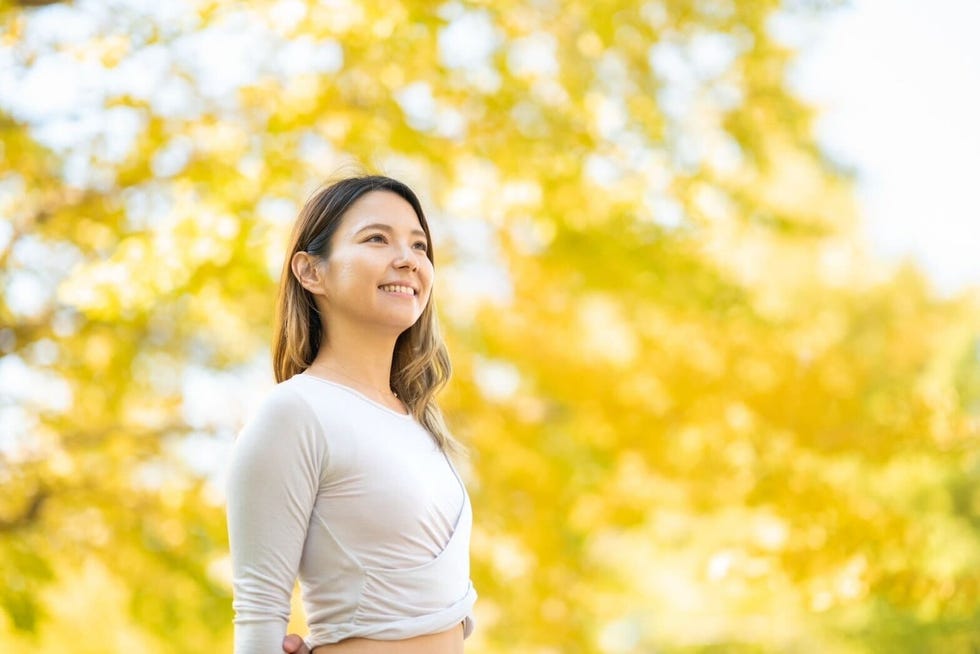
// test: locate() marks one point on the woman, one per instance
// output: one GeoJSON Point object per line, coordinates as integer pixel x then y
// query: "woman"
{"type": "Point", "coordinates": [342, 476]}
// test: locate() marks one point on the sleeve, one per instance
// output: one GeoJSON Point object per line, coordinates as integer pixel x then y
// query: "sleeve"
{"type": "Point", "coordinates": [273, 478]}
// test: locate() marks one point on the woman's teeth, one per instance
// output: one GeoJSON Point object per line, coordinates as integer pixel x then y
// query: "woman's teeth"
{"type": "Point", "coordinates": [398, 289]}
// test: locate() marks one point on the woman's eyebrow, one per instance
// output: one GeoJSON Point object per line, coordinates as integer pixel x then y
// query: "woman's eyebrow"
{"type": "Point", "coordinates": [387, 228]}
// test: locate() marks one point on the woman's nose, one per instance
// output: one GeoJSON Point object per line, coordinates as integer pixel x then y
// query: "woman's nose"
{"type": "Point", "coordinates": [405, 258]}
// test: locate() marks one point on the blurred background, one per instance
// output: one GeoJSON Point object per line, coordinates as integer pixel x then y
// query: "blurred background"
{"type": "Point", "coordinates": [707, 270]}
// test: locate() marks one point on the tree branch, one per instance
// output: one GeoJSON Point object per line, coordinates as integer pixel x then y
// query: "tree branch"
{"type": "Point", "coordinates": [30, 513]}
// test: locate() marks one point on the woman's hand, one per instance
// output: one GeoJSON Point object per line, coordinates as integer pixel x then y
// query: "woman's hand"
{"type": "Point", "coordinates": [293, 644]}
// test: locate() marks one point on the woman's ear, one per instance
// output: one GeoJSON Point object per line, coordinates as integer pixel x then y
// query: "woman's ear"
{"type": "Point", "coordinates": [307, 272]}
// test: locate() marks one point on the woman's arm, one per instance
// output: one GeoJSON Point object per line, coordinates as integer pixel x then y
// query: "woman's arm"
{"type": "Point", "coordinates": [272, 484]}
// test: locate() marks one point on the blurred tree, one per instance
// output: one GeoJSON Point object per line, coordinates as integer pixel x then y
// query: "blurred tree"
{"type": "Point", "coordinates": [701, 419]}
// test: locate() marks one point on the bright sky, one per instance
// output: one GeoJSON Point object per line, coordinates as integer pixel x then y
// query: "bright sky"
{"type": "Point", "coordinates": [899, 82]}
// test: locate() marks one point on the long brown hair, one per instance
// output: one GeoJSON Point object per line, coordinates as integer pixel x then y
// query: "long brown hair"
{"type": "Point", "coordinates": [420, 364]}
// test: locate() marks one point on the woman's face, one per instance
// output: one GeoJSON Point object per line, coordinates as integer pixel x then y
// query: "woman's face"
{"type": "Point", "coordinates": [378, 273]}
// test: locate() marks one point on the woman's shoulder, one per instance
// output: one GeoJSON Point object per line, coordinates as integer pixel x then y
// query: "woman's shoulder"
{"type": "Point", "coordinates": [280, 440]}
{"type": "Point", "coordinates": [284, 404]}
{"type": "Point", "coordinates": [300, 400]}
{"type": "Point", "coordinates": [282, 423]}
{"type": "Point", "coordinates": [284, 396]}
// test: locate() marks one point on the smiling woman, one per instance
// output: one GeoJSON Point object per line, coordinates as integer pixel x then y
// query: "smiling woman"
{"type": "Point", "coordinates": [342, 477]}
{"type": "Point", "coordinates": [378, 253]}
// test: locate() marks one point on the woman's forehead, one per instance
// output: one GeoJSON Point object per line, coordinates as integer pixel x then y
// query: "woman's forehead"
{"type": "Point", "coordinates": [381, 210]}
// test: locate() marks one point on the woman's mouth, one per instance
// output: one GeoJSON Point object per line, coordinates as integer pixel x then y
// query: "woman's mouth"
{"type": "Point", "coordinates": [395, 288]}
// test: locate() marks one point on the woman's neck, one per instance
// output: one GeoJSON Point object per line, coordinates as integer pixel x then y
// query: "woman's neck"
{"type": "Point", "coordinates": [359, 361]}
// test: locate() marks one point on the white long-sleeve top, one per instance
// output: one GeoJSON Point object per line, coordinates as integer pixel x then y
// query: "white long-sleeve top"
{"type": "Point", "coordinates": [357, 500]}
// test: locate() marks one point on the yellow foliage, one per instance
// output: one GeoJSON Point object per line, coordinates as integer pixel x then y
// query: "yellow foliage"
{"type": "Point", "coordinates": [702, 418]}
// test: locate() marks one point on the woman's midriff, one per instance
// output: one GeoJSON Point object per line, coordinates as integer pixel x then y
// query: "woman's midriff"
{"type": "Point", "coordinates": [444, 642]}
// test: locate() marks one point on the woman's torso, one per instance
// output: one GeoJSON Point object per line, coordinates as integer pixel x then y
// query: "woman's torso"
{"type": "Point", "coordinates": [387, 544]}
{"type": "Point", "coordinates": [361, 502]}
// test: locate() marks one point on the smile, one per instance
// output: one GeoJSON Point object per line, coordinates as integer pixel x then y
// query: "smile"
{"type": "Point", "coordinates": [394, 288]}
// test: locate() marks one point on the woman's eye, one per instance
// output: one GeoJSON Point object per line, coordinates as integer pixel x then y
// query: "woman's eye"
{"type": "Point", "coordinates": [422, 245]}
{"type": "Point", "coordinates": [376, 238]}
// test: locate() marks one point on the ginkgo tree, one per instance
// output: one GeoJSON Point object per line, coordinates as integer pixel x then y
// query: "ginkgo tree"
{"type": "Point", "coordinates": [701, 418]}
